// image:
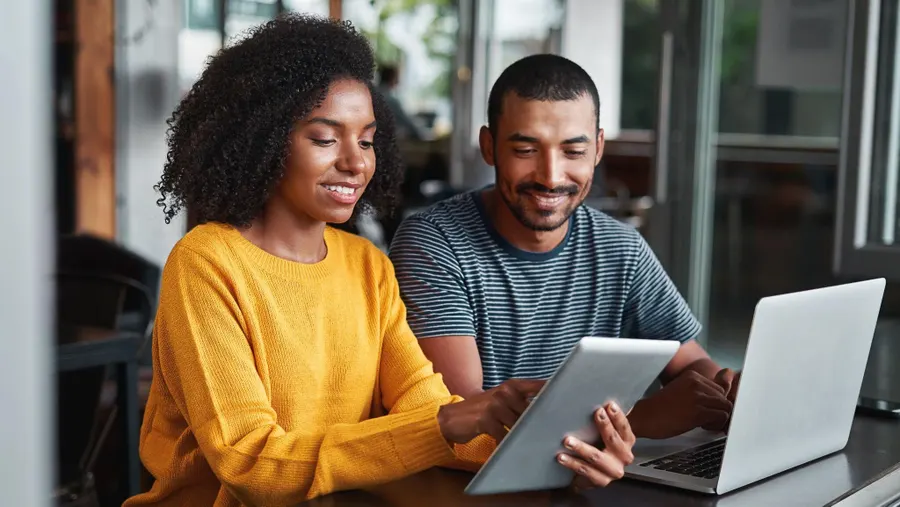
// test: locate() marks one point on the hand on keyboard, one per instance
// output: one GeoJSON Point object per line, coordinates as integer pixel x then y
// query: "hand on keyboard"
{"type": "Point", "coordinates": [729, 380]}
{"type": "Point", "coordinates": [687, 402]}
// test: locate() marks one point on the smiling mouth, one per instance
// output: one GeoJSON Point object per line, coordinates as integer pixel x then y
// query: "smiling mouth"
{"type": "Point", "coordinates": [340, 190]}
{"type": "Point", "coordinates": [547, 201]}
{"type": "Point", "coordinates": [343, 195]}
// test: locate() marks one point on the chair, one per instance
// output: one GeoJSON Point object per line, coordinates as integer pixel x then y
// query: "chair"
{"type": "Point", "coordinates": [99, 285]}
{"type": "Point", "coordinates": [85, 254]}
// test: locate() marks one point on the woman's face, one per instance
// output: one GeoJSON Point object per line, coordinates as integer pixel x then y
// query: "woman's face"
{"type": "Point", "coordinates": [331, 157]}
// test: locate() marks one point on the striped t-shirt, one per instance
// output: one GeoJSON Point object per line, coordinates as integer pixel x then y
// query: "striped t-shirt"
{"type": "Point", "coordinates": [459, 277]}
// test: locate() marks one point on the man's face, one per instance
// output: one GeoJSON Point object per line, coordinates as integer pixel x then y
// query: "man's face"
{"type": "Point", "coordinates": [544, 154]}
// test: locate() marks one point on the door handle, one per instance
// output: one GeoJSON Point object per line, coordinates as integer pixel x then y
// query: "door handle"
{"type": "Point", "coordinates": [661, 185]}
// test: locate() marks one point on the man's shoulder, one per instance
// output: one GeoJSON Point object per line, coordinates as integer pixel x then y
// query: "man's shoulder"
{"type": "Point", "coordinates": [610, 232]}
{"type": "Point", "coordinates": [450, 217]}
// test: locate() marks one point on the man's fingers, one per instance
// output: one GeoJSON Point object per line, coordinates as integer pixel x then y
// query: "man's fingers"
{"type": "Point", "coordinates": [717, 402]}
{"type": "Point", "coordinates": [724, 378]}
{"type": "Point", "coordinates": [709, 386]}
{"type": "Point", "coordinates": [713, 420]}
{"type": "Point", "coordinates": [620, 422]}
{"type": "Point", "coordinates": [612, 441]}
{"type": "Point", "coordinates": [608, 434]}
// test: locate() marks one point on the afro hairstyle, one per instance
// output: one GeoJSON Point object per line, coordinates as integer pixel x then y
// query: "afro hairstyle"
{"type": "Point", "coordinates": [228, 139]}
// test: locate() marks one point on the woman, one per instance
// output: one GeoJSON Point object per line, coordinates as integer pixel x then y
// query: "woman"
{"type": "Point", "coordinates": [283, 365]}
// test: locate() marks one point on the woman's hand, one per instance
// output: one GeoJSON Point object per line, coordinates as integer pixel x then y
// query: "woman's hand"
{"type": "Point", "coordinates": [492, 412]}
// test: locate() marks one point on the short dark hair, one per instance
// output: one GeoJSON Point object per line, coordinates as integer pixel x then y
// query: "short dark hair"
{"type": "Point", "coordinates": [228, 138]}
{"type": "Point", "coordinates": [545, 77]}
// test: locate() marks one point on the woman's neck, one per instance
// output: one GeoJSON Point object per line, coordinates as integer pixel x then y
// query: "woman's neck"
{"type": "Point", "coordinates": [285, 235]}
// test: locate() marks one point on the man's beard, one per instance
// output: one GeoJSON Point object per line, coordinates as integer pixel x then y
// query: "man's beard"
{"type": "Point", "coordinates": [519, 211]}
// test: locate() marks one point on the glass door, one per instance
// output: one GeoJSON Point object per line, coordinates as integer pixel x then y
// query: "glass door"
{"type": "Point", "coordinates": [749, 134]}
{"type": "Point", "coordinates": [867, 234]}
{"type": "Point", "coordinates": [679, 224]}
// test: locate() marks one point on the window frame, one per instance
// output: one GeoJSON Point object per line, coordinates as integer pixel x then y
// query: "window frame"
{"type": "Point", "coordinates": [856, 254]}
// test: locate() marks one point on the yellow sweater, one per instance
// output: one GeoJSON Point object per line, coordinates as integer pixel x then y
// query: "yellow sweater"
{"type": "Point", "coordinates": [276, 381]}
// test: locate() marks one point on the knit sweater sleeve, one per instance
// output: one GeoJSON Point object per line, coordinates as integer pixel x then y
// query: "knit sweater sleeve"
{"type": "Point", "coordinates": [208, 366]}
{"type": "Point", "coordinates": [408, 379]}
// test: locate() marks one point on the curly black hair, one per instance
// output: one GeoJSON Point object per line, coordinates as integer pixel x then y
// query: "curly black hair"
{"type": "Point", "coordinates": [228, 138]}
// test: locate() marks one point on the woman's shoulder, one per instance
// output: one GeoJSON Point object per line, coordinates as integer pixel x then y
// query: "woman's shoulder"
{"type": "Point", "coordinates": [361, 250]}
{"type": "Point", "coordinates": [209, 241]}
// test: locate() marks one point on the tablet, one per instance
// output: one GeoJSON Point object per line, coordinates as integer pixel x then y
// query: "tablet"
{"type": "Point", "coordinates": [597, 370]}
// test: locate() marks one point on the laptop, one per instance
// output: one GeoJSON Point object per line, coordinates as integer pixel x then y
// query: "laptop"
{"type": "Point", "coordinates": [802, 375]}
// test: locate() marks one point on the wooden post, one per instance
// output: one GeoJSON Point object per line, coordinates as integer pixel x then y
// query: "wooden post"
{"type": "Point", "coordinates": [95, 181]}
{"type": "Point", "coordinates": [335, 8]}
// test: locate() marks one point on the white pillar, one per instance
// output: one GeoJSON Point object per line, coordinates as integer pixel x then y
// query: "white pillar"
{"type": "Point", "coordinates": [26, 303]}
{"type": "Point", "coordinates": [592, 38]}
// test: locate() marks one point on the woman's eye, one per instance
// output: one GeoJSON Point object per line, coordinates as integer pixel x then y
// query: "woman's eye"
{"type": "Point", "coordinates": [366, 144]}
{"type": "Point", "coordinates": [323, 142]}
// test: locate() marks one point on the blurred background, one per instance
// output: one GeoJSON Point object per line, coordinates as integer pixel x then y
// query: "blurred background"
{"type": "Point", "coordinates": [755, 144]}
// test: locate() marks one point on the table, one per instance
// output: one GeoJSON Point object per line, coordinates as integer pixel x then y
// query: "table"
{"type": "Point", "coordinates": [873, 449]}
{"type": "Point", "coordinates": [84, 347]}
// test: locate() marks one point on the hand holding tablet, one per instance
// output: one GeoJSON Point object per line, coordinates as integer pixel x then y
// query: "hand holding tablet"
{"type": "Point", "coordinates": [597, 371]}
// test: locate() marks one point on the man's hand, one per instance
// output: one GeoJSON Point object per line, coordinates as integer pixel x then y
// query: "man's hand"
{"type": "Point", "coordinates": [492, 412]}
{"type": "Point", "coordinates": [690, 401]}
{"type": "Point", "coordinates": [729, 381]}
{"type": "Point", "coordinates": [596, 468]}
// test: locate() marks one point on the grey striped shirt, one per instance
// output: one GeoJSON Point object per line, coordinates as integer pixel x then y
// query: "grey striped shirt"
{"type": "Point", "coordinates": [459, 277]}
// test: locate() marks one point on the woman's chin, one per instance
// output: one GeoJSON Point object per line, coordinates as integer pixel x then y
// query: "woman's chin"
{"type": "Point", "coordinates": [340, 218]}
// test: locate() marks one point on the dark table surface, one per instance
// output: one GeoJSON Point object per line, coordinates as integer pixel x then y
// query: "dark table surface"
{"type": "Point", "coordinates": [873, 449]}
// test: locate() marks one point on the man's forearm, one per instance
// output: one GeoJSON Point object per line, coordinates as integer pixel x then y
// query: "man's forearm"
{"type": "Point", "coordinates": [706, 367]}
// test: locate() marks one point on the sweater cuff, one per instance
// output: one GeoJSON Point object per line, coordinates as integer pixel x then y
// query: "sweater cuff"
{"type": "Point", "coordinates": [418, 440]}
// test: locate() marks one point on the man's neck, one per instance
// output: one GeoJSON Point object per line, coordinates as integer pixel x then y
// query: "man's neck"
{"type": "Point", "coordinates": [513, 231]}
{"type": "Point", "coordinates": [284, 234]}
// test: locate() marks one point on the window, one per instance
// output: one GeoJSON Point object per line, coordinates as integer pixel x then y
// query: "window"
{"type": "Point", "coordinates": [317, 7]}
{"type": "Point", "coordinates": [418, 40]}
{"type": "Point", "coordinates": [781, 68]}
{"type": "Point", "coordinates": [520, 28]}
{"type": "Point", "coordinates": [241, 15]}
{"type": "Point", "coordinates": [868, 236]}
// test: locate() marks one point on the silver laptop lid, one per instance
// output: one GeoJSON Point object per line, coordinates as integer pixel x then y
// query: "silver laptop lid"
{"type": "Point", "coordinates": [802, 375]}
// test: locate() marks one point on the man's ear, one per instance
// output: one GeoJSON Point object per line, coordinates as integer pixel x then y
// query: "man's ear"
{"type": "Point", "coordinates": [486, 143]}
{"type": "Point", "coordinates": [600, 143]}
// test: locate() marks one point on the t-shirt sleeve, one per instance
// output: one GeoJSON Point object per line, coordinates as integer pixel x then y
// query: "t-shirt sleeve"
{"type": "Point", "coordinates": [654, 308]}
{"type": "Point", "coordinates": [431, 281]}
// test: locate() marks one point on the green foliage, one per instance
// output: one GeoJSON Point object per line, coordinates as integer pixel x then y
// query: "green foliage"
{"type": "Point", "coordinates": [640, 62]}
{"type": "Point", "coordinates": [439, 39]}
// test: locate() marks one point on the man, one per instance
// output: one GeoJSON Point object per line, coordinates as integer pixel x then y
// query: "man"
{"type": "Point", "coordinates": [502, 282]}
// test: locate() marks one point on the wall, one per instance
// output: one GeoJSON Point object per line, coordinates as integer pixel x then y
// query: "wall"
{"type": "Point", "coordinates": [146, 94]}
{"type": "Point", "coordinates": [26, 256]}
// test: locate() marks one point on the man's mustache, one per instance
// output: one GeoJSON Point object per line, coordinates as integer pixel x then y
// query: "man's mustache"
{"type": "Point", "coordinates": [537, 187]}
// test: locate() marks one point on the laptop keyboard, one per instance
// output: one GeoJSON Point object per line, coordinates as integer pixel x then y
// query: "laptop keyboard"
{"type": "Point", "coordinates": [702, 461]}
